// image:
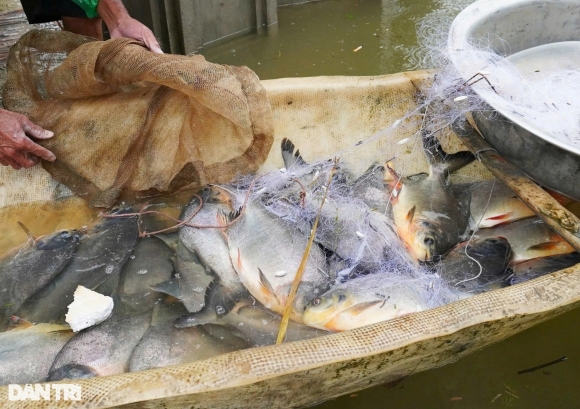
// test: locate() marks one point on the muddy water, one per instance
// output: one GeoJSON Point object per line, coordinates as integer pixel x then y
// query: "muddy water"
{"type": "Point", "coordinates": [340, 37]}
{"type": "Point", "coordinates": [319, 39]}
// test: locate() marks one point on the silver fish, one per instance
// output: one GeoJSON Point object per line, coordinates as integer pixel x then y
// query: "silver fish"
{"type": "Point", "coordinates": [100, 256]}
{"type": "Point", "coordinates": [27, 354]}
{"type": "Point", "coordinates": [374, 298]}
{"type": "Point", "coordinates": [254, 323]}
{"type": "Point", "coordinates": [104, 349]}
{"type": "Point", "coordinates": [266, 253]}
{"type": "Point", "coordinates": [25, 272]}
{"type": "Point", "coordinates": [209, 244]}
{"type": "Point", "coordinates": [529, 238]}
{"type": "Point", "coordinates": [493, 203]}
{"type": "Point", "coordinates": [165, 345]}
{"type": "Point", "coordinates": [428, 217]}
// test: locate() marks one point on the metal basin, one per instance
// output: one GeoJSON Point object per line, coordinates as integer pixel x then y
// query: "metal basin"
{"type": "Point", "coordinates": [515, 26]}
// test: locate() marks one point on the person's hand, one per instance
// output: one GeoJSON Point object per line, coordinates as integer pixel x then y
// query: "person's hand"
{"type": "Point", "coordinates": [120, 24]}
{"type": "Point", "coordinates": [16, 148]}
{"type": "Point", "coordinates": [131, 28]}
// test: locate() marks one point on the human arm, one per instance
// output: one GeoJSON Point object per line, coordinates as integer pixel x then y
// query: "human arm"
{"type": "Point", "coordinates": [16, 148]}
{"type": "Point", "coordinates": [121, 24]}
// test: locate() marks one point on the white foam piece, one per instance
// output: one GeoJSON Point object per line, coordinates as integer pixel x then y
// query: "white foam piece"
{"type": "Point", "coordinates": [88, 308]}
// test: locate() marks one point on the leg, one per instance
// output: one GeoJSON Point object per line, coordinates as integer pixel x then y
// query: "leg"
{"type": "Point", "coordinates": [91, 27]}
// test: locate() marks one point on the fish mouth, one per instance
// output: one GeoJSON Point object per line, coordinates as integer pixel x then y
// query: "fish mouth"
{"type": "Point", "coordinates": [319, 319]}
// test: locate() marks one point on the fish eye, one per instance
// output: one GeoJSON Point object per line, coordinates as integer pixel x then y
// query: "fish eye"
{"type": "Point", "coordinates": [429, 241]}
{"type": "Point", "coordinates": [316, 301]}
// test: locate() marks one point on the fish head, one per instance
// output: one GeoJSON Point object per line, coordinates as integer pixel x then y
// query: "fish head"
{"type": "Point", "coordinates": [321, 310]}
{"type": "Point", "coordinates": [491, 247]}
{"type": "Point", "coordinates": [59, 240]}
{"type": "Point", "coordinates": [429, 239]}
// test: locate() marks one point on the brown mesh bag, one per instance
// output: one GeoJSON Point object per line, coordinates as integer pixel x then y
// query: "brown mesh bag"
{"type": "Point", "coordinates": [131, 123]}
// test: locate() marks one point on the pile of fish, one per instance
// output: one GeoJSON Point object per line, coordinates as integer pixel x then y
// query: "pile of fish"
{"type": "Point", "coordinates": [385, 246]}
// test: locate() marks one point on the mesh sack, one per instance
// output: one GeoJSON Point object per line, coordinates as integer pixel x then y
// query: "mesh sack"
{"type": "Point", "coordinates": [130, 123]}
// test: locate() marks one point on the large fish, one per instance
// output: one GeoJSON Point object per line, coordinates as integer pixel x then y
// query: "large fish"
{"type": "Point", "coordinates": [374, 298]}
{"type": "Point", "coordinates": [356, 234]}
{"type": "Point", "coordinates": [104, 349]}
{"type": "Point", "coordinates": [266, 252]}
{"type": "Point", "coordinates": [25, 272]}
{"type": "Point", "coordinates": [493, 203]}
{"type": "Point", "coordinates": [27, 354]}
{"type": "Point", "coordinates": [151, 263]}
{"type": "Point", "coordinates": [347, 228]}
{"type": "Point", "coordinates": [528, 270]}
{"type": "Point", "coordinates": [254, 323]}
{"type": "Point", "coordinates": [165, 345]}
{"type": "Point", "coordinates": [428, 217]}
{"type": "Point", "coordinates": [99, 258]}
{"type": "Point", "coordinates": [529, 238]}
{"type": "Point", "coordinates": [477, 265]}
{"type": "Point", "coordinates": [209, 244]}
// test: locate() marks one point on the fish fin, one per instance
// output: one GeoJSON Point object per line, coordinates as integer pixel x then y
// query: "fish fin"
{"type": "Point", "coordinates": [359, 308]}
{"type": "Point", "coordinates": [502, 216]}
{"type": "Point", "coordinates": [169, 287]}
{"type": "Point", "coordinates": [61, 331]}
{"type": "Point", "coordinates": [290, 158]}
{"type": "Point", "coordinates": [205, 316]}
{"type": "Point", "coordinates": [19, 323]}
{"type": "Point", "coordinates": [439, 159]}
{"type": "Point", "coordinates": [549, 245]}
{"type": "Point", "coordinates": [239, 260]}
{"type": "Point", "coordinates": [393, 182]}
{"type": "Point", "coordinates": [222, 221]}
{"type": "Point", "coordinates": [411, 214]}
{"type": "Point", "coordinates": [458, 160]}
{"type": "Point", "coordinates": [265, 284]}
{"type": "Point", "coordinates": [222, 218]}
{"type": "Point", "coordinates": [31, 239]}
{"type": "Point", "coordinates": [227, 218]}
{"type": "Point", "coordinates": [170, 239]}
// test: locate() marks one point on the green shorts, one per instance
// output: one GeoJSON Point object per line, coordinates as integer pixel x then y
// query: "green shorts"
{"type": "Point", "coordinates": [43, 11]}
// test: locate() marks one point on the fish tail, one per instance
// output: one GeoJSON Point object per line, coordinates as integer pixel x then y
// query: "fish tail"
{"type": "Point", "coordinates": [290, 157]}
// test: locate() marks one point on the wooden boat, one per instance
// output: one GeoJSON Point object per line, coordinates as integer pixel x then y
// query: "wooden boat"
{"type": "Point", "coordinates": [323, 116]}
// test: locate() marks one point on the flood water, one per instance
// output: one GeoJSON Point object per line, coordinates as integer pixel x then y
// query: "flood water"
{"type": "Point", "coordinates": [319, 39]}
